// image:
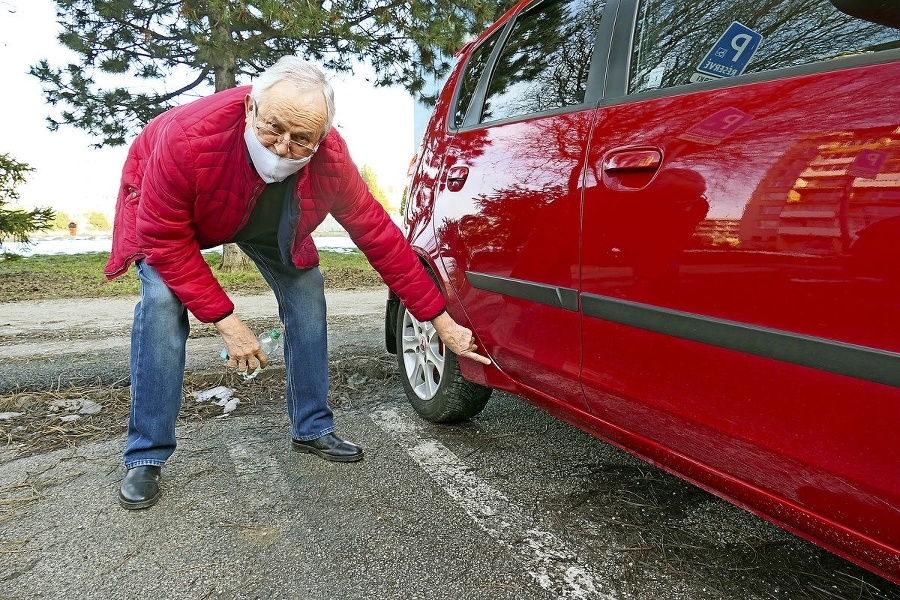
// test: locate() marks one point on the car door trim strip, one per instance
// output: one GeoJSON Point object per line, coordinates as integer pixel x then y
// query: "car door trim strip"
{"type": "Point", "coordinates": [560, 297]}
{"type": "Point", "coordinates": [879, 366]}
{"type": "Point", "coordinates": [840, 358]}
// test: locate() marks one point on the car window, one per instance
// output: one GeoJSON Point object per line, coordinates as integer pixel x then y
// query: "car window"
{"type": "Point", "coordinates": [471, 75]}
{"type": "Point", "coordinates": [545, 61]}
{"type": "Point", "coordinates": [677, 43]}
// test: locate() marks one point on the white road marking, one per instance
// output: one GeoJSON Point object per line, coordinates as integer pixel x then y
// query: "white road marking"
{"type": "Point", "coordinates": [546, 558]}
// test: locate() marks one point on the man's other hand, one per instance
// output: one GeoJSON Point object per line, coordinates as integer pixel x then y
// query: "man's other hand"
{"type": "Point", "coordinates": [244, 353]}
{"type": "Point", "coordinates": [458, 338]}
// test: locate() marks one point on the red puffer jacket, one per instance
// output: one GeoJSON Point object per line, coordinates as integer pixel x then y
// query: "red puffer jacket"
{"type": "Point", "coordinates": [188, 184]}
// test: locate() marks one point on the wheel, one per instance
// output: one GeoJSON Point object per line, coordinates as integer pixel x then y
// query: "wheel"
{"type": "Point", "coordinates": [430, 373]}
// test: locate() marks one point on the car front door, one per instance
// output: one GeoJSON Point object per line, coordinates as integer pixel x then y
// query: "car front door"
{"type": "Point", "coordinates": [508, 214]}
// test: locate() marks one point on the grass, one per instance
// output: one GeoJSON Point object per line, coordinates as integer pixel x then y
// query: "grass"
{"type": "Point", "coordinates": [81, 276]}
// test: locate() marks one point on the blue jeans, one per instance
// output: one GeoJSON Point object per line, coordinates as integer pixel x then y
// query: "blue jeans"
{"type": "Point", "coordinates": [158, 339]}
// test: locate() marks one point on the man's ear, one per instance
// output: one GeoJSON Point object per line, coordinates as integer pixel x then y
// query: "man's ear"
{"type": "Point", "coordinates": [248, 108]}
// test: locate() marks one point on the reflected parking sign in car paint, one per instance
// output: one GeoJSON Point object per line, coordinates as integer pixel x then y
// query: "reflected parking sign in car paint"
{"type": "Point", "coordinates": [716, 127]}
{"type": "Point", "coordinates": [731, 53]}
{"type": "Point", "coordinates": [867, 164]}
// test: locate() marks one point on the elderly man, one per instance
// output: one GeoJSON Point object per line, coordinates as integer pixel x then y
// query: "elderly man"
{"type": "Point", "coordinates": [261, 167]}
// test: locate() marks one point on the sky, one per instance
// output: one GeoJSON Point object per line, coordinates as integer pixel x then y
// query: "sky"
{"type": "Point", "coordinates": [72, 177]}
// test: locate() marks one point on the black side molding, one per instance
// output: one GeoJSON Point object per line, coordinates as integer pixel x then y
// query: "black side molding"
{"type": "Point", "coordinates": [559, 297]}
{"type": "Point", "coordinates": [879, 366]}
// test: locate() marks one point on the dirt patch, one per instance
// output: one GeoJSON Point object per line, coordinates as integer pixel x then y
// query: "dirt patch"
{"type": "Point", "coordinates": [69, 417]}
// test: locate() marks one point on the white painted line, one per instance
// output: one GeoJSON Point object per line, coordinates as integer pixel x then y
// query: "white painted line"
{"type": "Point", "coordinates": [545, 557]}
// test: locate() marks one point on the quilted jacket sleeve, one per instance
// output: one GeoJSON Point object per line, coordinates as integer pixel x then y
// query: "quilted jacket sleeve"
{"type": "Point", "coordinates": [379, 238]}
{"type": "Point", "coordinates": [166, 232]}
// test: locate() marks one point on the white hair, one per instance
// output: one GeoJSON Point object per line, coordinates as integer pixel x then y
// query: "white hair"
{"type": "Point", "coordinates": [304, 76]}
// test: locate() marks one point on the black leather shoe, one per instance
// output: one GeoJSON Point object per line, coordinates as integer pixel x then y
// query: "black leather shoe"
{"type": "Point", "coordinates": [140, 488]}
{"type": "Point", "coordinates": [329, 447]}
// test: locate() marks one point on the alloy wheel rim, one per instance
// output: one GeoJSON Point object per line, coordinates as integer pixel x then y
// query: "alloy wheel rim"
{"type": "Point", "coordinates": [423, 356]}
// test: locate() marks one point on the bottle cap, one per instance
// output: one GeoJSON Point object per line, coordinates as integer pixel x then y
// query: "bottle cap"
{"type": "Point", "coordinates": [275, 334]}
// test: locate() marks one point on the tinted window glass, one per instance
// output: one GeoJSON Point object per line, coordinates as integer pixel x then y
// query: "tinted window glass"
{"type": "Point", "coordinates": [471, 75]}
{"type": "Point", "coordinates": [544, 63]}
{"type": "Point", "coordinates": [676, 42]}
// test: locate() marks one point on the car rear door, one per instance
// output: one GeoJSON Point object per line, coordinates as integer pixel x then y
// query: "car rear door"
{"type": "Point", "coordinates": [507, 216]}
{"type": "Point", "coordinates": [739, 260]}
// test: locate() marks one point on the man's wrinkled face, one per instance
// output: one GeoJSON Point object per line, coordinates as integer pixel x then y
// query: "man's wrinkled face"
{"type": "Point", "coordinates": [288, 122]}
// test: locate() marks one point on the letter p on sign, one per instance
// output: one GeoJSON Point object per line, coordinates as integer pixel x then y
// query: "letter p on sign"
{"type": "Point", "coordinates": [739, 43]}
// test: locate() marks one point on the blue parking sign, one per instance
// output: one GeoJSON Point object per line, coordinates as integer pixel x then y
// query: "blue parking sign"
{"type": "Point", "coordinates": [731, 53]}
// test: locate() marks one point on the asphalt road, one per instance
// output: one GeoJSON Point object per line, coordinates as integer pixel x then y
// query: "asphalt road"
{"type": "Point", "coordinates": [511, 505]}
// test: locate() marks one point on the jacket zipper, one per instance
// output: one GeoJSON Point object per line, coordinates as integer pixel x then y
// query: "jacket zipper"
{"type": "Point", "coordinates": [294, 227]}
{"type": "Point", "coordinates": [253, 197]}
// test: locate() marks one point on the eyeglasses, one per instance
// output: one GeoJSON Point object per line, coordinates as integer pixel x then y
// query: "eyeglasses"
{"type": "Point", "coordinates": [272, 137]}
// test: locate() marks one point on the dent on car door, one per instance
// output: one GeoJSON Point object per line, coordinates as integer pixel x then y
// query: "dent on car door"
{"type": "Point", "coordinates": [508, 217]}
{"type": "Point", "coordinates": [740, 281]}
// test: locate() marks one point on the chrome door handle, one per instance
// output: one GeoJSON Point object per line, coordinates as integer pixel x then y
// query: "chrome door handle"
{"type": "Point", "coordinates": [643, 159]}
{"type": "Point", "coordinates": [456, 177]}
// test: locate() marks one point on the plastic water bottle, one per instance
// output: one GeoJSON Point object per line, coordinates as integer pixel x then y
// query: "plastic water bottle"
{"type": "Point", "coordinates": [270, 342]}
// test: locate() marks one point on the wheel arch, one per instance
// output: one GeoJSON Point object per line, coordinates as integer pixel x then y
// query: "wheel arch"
{"type": "Point", "coordinates": [393, 304]}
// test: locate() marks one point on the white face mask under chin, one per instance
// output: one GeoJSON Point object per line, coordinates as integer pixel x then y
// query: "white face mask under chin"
{"type": "Point", "coordinates": [270, 166]}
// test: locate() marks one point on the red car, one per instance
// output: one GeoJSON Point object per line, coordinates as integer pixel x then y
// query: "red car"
{"type": "Point", "coordinates": [677, 227]}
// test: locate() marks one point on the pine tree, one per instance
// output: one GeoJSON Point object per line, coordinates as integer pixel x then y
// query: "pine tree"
{"type": "Point", "coordinates": [202, 42]}
{"type": "Point", "coordinates": [16, 224]}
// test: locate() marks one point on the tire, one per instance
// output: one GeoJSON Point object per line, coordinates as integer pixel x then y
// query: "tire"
{"type": "Point", "coordinates": [430, 374]}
